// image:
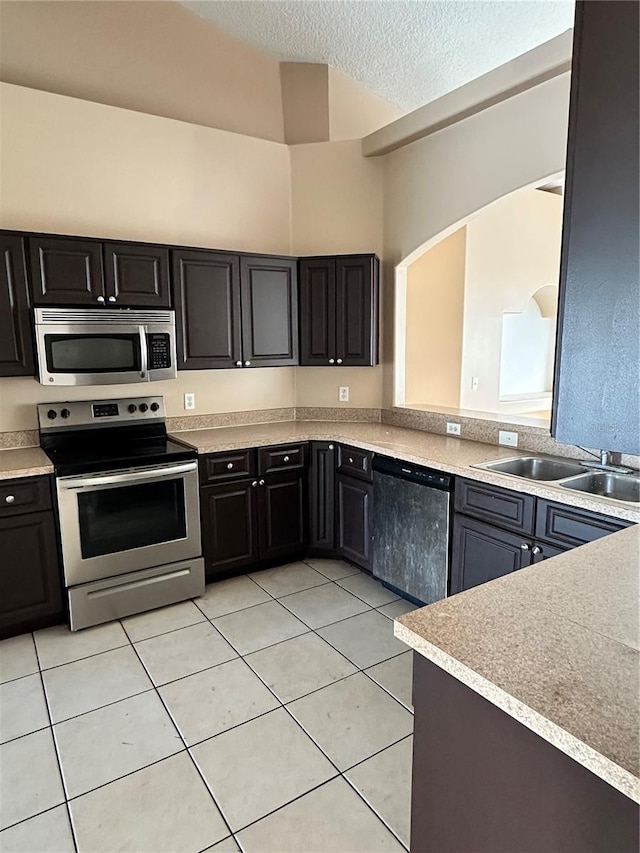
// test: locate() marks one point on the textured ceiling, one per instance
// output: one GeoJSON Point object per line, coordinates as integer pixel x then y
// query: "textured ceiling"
{"type": "Point", "coordinates": [408, 51]}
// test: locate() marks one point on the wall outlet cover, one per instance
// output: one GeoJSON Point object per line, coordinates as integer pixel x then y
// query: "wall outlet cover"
{"type": "Point", "coordinates": [475, 383]}
{"type": "Point", "coordinates": [508, 438]}
{"type": "Point", "coordinates": [343, 394]}
{"type": "Point", "coordinates": [189, 401]}
{"type": "Point", "coordinates": [453, 429]}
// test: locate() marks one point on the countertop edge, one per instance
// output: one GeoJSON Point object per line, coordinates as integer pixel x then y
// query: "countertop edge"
{"type": "Point", "coordinates": [619, 778]}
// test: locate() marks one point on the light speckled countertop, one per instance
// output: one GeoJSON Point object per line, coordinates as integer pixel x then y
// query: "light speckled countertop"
{"type": "Point", "coordinates": [454, 455]}
{"type": "Point", "coordinates": [555, 646]}
{"type": "Point", "coordinates": [23, 462]}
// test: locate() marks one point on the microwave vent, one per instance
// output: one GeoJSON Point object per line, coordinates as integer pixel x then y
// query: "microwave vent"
{"type": "Point", "coordinates": [102, 316]}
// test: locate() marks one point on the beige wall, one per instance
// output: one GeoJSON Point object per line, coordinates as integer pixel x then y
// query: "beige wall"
{"type": "Point", "coordinates": [513, 249]}
{"type": "Point", "coordinates": [435, 304]}
{"type": "Point", "coordinates": [154, 57]}
{"type": "Point", "coordinates": [77, 167]}
{"type": "Point", "coordinates": [355, 111]}
{"type": "Point", "coordinates": [437, 182]}
{"type": "Point", "coordinates": [336, 206]}
{"type": "Point", "coordinates": [305, 102]}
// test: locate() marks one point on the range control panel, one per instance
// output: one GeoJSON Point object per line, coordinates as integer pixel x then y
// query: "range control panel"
{"type": "Point", "coordinates": [85, 413]}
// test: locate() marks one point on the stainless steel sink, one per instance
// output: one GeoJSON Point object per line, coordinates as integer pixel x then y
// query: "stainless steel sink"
{"type": "Point", "coordinates": [619, 487]}
{"type": "Point", "coordinates": [535, 467]}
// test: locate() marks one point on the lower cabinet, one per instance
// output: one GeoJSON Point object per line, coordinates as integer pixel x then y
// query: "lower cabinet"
{"type": "Point", "coordinates": [354, 500]}
{"type": "Point", "coordinates": [322, 483]}
{"type": "Point", "coordinates": [30, 578]}
{"type": "Point", "coordinates": [253, 521]}
{"type": "Point", "coordinates": [482, 553]}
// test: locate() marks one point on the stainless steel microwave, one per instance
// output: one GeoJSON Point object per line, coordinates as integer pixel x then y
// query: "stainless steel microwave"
{"type": "Point", "coordinates": [100, 346]}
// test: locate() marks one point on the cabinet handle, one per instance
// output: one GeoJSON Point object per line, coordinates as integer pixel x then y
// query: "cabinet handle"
{"type": "Point", "coordinates": [238, 364]}
{"type": "Point", "coordinates": [350, 460]}
{"type": "Point", "coordinates": [229, 466]}
{"type": "Point", "coordinates": [100, 299]}
{"type": "Point", "coordinates": [536, 549]}
{"type": "Point", "coordinates": [331, 446]}
{"type": "Point", "coordinates": [10, 499]}
{"type": "Point", "coordinates": [286, 459]}
{"type": "Point", "coordinates": [262, 482]}
{"type": "Point", "coordinates": [112, 299]}
{"type": "Point", "coordinates": [338, 361]}
{"type": "Point", "coordinates": [525, 546]}
{"type": "Point", "coordinates": [254, 484]}
{"type": "Point", "coordinates": [247, 363]}
{"type": "Point", "coordinates": [332, 361]}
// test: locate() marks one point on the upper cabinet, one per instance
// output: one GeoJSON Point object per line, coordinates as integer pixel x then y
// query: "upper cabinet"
{"type": "Point", "coordinates": [16, 346]}
{"type": "Point", "coordinates": [597, 381]}
{"type": "Point", "coordinates": [339, 310]}
{"type": "Point", "coordinates": [234, 310]}
{"type": "Point", "coordinates": [73, 271]}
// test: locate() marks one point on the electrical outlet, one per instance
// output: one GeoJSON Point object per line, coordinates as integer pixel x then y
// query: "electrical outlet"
{"type": "Point", "coordinates": [475, 383]}
{"type": "Point", "coordinates": [343, 394]}
{"type": "Point", "coordinates": [453, 429]}
{"type": "Point", "coordinates": [189, 401]}
{"type": "Point", "coordinates": [508, 438]}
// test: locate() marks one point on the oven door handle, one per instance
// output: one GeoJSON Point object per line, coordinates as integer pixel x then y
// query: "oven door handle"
{"type": "Point", "coordinates": [144, 357]}
{"type": "Point", "coordinates": [77, 483]}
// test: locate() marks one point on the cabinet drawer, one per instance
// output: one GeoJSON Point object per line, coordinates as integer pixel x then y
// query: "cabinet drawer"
{"type": "Point", "coordinates": [499, 506]}
{"type": "Point", "coordinates": [228, 465]}
{"type": "Point", "coordinates": [32, 494]}
{"type": "Point", "coordinates": [284, 457]}
{"type": "Point", "coordinates": [356, 463]}
{"type": "Point", "coordinates": [569, 527]}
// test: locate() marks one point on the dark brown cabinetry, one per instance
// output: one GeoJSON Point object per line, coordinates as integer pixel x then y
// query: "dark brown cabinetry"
{"type": "Point", "coordinates": [137, 274]}
{"type": "Point", "coordinates": [322, 483]}
{"type": "Point", "coordinates": [497, 531]}
{"type": "Point", "coordinates": [257, 518]}
{"type": "Point", "coordinates": [234, 311]}
{"type": "Point", "coordinates": [66, 271]}
{"type": "Point", "coordinates": [597, 376]}
{"type": "Point", "coordinates": [354, 500]}
{"type": "Point", "coordinates": [76, 271]}
{"type": "Point", "coordinates": [16, 345]}
{"type": "Point", "coordinates": [30, 578]}
{"type": "Point", "coordinates": [339, 311]}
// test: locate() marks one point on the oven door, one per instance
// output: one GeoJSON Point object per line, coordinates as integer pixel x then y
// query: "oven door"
{"type": "Point", "coordinates": [122, 521]}
{"type": "Point", "coordinates": [76, 354]}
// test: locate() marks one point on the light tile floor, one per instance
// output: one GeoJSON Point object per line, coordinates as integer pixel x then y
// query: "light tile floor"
{"type": "Point", "coordinates": [272, 714]}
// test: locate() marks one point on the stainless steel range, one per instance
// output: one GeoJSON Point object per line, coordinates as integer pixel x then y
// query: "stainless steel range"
{"type": "Point", "coordinates": [128, 506]}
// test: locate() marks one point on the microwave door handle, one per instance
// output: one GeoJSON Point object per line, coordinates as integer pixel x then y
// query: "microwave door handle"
{"type": "Point", "coordinates": [142, 331]}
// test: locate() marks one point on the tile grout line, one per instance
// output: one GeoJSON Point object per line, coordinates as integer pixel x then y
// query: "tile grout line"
{"type": "Point", "coordinates": [56, 748]}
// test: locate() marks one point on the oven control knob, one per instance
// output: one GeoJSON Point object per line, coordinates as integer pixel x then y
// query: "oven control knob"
{"type": "Point", "coordinates": [132, 407]}
{"type": "Point", "coordinates": [143, 407]}
{"type": "Point", "coordinates": [155, 407]}
{"type": "Point", "coordinates": [52, 414]}
{"type": "Point", "coordinates": [65, 413]}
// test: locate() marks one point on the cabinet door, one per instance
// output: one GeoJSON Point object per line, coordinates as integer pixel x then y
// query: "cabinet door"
{"type": "Point", "coordinates": [597, 378]}
{"type": "Point", "coordinates": [66, 271]}
{"type": "Point", "coordinates": [321, 492]}
{"type": "Point", "coordinates": [137, 274]}
{"type": "Point", "coordinates": [30, 578]}
{"type": "Point", "coordinates": [317, 311]}
{"type": "Point", "coordinates": [481, 553]}
{"type": "Point", "coordinates": [269, 311]}
{"type": "Point", "coordinates": [282, 512]}
{"type": "Point", "coordinates": [206, 296]}
{"type": "Point", "coordinates": [16, 345]}
{"type": "Point", "coordinates": [229, 527]}
{"type": "Point", "coordinates": [357, 310]}
{"type": "Point", "coordinates": [353, 519]}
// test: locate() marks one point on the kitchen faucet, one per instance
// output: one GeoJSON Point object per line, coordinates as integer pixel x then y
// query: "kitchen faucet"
{"type": "Point", "coordinates": [609, 461]}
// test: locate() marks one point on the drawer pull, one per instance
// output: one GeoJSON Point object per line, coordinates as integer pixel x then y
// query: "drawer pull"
{"type": "Point", "coordinates": [524, 546]}
{"type": "Point", "coordinates": [229, 466]}
{"type": "Point", "coordinates": [10, 499]}
{"type": "Point", "coordinates": [350, 460]}
{"type": "Point", "coordinates": [536, 549]}
{"type": "Point", "coordinates": [286, 459]}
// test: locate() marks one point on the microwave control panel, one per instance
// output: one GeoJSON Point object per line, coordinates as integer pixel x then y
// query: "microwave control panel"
{"type": "Point", "coordinates": [159, 349]}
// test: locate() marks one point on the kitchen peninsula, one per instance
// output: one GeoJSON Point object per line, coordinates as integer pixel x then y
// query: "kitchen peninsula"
{"type": "Point", "coordinates": [526, 708]}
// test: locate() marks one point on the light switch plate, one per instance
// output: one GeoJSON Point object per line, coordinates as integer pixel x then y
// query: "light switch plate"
{"type": "Point", "coordinates": [189, 401]}
{"type": "Point", "coordinates": [508, 438]}
{"type": "Point", "coordinates": [453, 429]}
